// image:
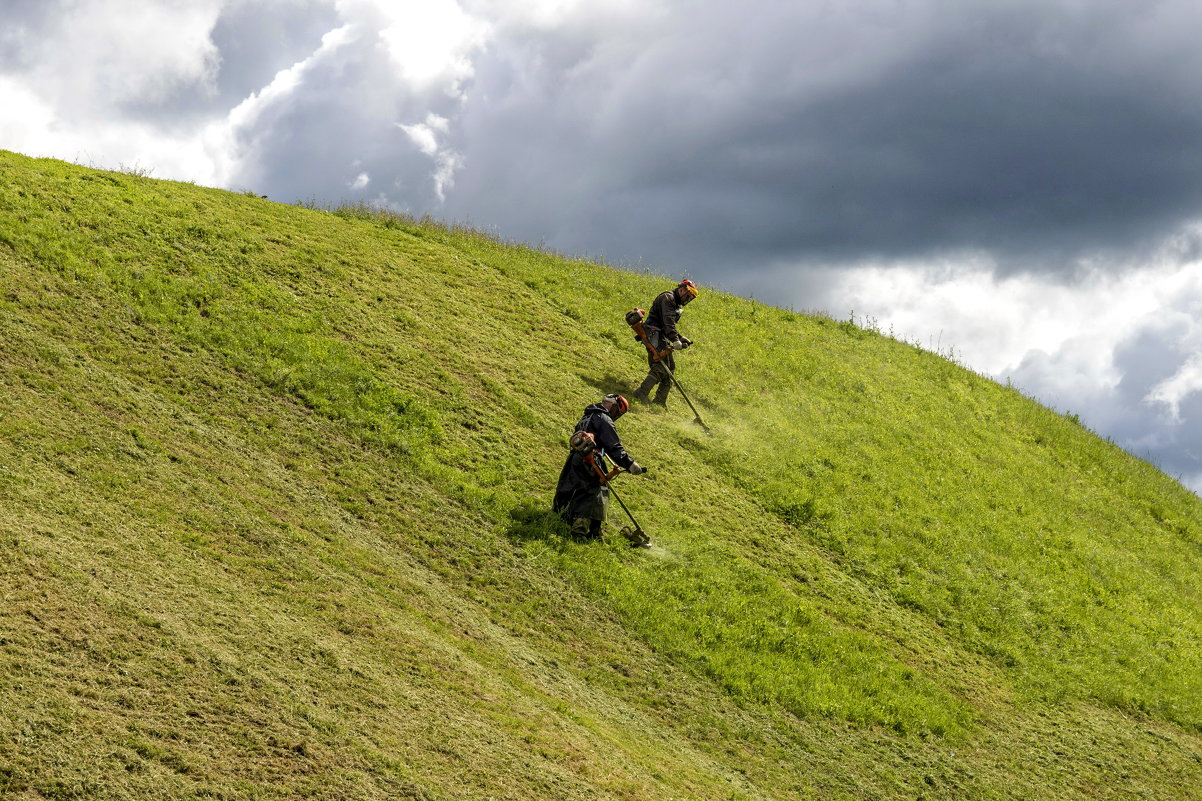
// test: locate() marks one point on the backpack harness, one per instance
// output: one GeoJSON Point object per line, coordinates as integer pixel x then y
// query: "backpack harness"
{"type": "Point", "coordinates": [634, 319]}
{"type": "Point", "coordinates": [584, 443]}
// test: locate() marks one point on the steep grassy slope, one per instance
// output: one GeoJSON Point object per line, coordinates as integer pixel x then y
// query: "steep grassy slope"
{"type": "Point", "coordinates": [273, 489]}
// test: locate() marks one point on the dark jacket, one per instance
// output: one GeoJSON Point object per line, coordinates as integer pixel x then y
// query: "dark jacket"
{"type": "Point", "coordinates": [665, 313]}
{"type": "Point", "coordinates": [580, 492]}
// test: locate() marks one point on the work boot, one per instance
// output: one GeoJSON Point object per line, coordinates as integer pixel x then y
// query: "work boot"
{"type": "Point", "coordinates": [643, 393]}
{"type": "Point", "coordinates": [661, 395]}
{"type": "Point", "coordinates": [580, 527]}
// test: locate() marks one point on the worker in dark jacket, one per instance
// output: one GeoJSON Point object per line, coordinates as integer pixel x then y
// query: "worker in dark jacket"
{"type": "Point", "coordinates": [581, 496]}
{"type": "Point", "coordinates": [660, 326]}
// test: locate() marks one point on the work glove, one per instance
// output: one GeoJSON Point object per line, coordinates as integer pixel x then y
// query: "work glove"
{"type": "Point", "coordinates": [687, 342]}
{"type": "Point", "coordinates": [636, 469]}
{"type": "Point", "coordinates": [677, 345]}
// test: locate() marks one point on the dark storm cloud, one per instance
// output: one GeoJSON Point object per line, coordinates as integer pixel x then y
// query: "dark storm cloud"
{"type": "Point", "coordinates": [342, 121]}
{"type": "Point", "coordinates": [1039, 133]}
{"type": "Point", "coordinates": [1147, 359]}
{"type": "Point", "coordinates": [256, 40]}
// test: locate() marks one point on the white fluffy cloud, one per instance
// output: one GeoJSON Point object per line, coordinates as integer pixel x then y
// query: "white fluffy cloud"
{"type": "Point", "coordinates": [429, 41]}
{"type": "Point", "coordinates": [76, 88]}
{"type": "Point", "coordinates": [425, 136]}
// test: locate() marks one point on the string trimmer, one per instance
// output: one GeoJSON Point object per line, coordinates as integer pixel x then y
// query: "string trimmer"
{"type": "Point", "coordinates": [637, 537]}
{"type": "Point", "coordinates": [634, 318]}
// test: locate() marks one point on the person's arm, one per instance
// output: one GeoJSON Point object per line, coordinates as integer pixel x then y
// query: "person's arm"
{"type": "Point", "coordinates": [667, 312]}
{"type": "Point", "coordinates": [607, 437]}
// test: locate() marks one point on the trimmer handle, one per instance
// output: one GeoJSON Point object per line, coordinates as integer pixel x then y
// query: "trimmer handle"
{"type": "Point", "coordinates": [635, 318]}
{"type": "Point", "coordinates": [601, 474]}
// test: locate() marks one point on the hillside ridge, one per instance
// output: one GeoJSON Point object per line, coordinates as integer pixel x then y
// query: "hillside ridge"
{"type": "Point", "coordinates": [274, 490]}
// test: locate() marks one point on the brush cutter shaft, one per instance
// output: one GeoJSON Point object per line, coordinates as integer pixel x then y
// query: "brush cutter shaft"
{"type": "Point", "coordinates": [605, 477]}
{"type": "Point", "coordinates": [680, 389]}
{"type": "Point", "coordinates": [637, 527]}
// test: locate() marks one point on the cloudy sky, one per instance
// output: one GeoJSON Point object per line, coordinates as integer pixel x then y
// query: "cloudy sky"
{"type": "Point", "coordinates": [1016, 183]}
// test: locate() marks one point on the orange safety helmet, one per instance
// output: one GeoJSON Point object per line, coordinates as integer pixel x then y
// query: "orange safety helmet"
{"type": "Point", "coordinates": [621, 405]}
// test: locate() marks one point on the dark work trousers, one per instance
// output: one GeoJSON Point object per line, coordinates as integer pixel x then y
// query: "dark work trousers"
{"type": "Point", "coordinates": [658, 376]}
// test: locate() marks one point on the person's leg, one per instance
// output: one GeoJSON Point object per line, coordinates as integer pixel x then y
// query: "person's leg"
{"type": "Point", "coordinates": [643, 393]}
{"type": "Point", "coordinates": [662, 368]}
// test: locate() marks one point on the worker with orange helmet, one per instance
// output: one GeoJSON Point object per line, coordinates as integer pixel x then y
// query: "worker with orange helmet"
{"type": "Point", "coordinates": [581, 495]}
{"type": "Point", "coordinates": [664, 339]}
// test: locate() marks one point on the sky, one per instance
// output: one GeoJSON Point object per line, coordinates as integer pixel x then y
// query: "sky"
{"type": "Point", "coordinates": [1016, 184]}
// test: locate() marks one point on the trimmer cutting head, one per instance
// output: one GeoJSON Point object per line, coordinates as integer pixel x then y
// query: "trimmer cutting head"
{"type": "Point", "coordinates": [637, 537]}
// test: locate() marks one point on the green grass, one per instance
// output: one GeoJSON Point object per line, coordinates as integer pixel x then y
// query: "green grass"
{"type": "Point", "coordinates": [273, 490]}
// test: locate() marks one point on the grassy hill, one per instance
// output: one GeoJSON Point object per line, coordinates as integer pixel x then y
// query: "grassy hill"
{"type": "Point", "coordinates": [273, 492]}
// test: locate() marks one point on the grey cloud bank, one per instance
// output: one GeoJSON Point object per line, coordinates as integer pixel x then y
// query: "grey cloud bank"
{"type": "Point", "coordinates": [1007, 174]}
{"type": "Point", "coordinates": [816, 135]}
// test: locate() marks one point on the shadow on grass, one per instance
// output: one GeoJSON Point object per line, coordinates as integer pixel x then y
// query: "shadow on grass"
{"type": "Point", "coordinates": [532, 523]}
{"type": "Point", "coordinates": [611, 384]}
{"type": "Point", "coordinates": [536, 523]}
